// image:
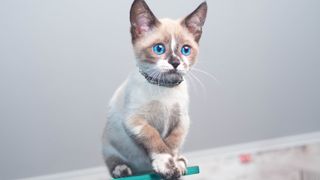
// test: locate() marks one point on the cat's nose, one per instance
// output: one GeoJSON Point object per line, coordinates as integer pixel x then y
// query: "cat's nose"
{"type": "Point", "coordinates": [175, 62]}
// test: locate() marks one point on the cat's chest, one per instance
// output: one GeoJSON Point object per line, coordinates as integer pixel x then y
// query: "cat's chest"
{"type": "Point", "coordinates": [161, 107]}
{"type": "Point", "coordinates": [167, 97]}
{"type": "Point", "coordinates": [163, 117]}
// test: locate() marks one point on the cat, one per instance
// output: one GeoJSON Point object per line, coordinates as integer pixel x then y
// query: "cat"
{"type": "Point", "coordinates": [148, 119]}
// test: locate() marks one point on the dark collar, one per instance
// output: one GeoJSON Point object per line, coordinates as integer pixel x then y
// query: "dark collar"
{"type": "Point", "coordinates": [160, 82]}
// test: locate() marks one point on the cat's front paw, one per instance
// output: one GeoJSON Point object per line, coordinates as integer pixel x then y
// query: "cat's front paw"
{"type": "Point", "coordinates": [181, 163]}
{"type": "Point", "coordinates": [165, 165]}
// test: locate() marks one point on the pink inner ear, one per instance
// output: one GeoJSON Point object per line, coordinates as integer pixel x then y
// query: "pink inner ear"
{"type": "Point", "coordinates": [142, 24]}
{"type": "Point", "coordinates": [143, 29]}
{"type": "Point", "coordinates": [193, 27]}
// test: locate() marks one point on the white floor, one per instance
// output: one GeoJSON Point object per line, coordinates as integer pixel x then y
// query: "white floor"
{"type": "Point", "coordinates": [288, 158]}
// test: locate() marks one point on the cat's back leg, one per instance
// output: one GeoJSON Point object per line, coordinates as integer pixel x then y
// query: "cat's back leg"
{"type": "Point", "coordinates": [117, 167]}
{"type": "Point", "coordinates": [116, 163]}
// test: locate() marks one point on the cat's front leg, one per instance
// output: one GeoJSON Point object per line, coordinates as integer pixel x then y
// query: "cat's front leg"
{"type": "Point", "coordinates": [160, 154]}
{"type": "Point", "coordinates": [174, 141]}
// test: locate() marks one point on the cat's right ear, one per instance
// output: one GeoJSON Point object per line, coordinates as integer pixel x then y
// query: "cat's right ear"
{"type": "Point", "coordinates": [142, 19]}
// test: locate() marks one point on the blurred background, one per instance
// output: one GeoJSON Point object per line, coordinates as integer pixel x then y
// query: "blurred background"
{"type": "Point", "coordinates": [60, 62]}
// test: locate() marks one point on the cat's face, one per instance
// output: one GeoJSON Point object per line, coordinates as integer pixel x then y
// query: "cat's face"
{"type": "Point", "coordinates": [165, 49]}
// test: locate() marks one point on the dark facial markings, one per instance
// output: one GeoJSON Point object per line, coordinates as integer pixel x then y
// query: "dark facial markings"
{"type": "Point", "coordinates": [149, 56]}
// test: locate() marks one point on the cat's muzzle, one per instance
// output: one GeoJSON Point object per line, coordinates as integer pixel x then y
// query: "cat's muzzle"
{"type": "Point", "coordinates": [166, 79]}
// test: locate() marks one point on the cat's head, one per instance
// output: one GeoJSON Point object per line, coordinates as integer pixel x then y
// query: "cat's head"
{"type": "Point", "coordinates": [165, 49]}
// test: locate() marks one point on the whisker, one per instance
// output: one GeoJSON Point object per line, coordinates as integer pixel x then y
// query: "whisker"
{"type": "Point", "coordinates": [206, 73]}
{"type": "Point", "coordinates": [200, 82]}
{"type": "Point", "coordinates": [189, 79]}
{"type": "Point", "coordinates": [154, 77]}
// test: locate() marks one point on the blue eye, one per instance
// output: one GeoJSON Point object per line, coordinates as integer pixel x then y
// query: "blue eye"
{"type": "Point", "coordinates": [186, 50]}
{"type": "Point", "coordinates": [159, 49]}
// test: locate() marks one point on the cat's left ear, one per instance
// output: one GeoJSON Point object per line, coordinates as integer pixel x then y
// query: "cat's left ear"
{"type": "Point", "coordinates": [142, 19]}
{"type": "Point", "coordinates": [194, 21]}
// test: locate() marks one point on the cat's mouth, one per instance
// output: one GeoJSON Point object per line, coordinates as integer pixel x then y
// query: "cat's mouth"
{"type": "Point", "coordinates": [167, 79]}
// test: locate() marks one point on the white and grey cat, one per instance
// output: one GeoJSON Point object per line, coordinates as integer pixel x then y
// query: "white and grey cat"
{"type": "Point", "coordinates": [148, 115]}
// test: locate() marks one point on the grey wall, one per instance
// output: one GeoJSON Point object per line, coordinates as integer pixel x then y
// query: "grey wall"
{"type": "Point", "coordinates": [61, 60]}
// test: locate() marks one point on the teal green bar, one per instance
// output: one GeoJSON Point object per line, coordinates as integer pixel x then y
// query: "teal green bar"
{"type": "Point", "coordinates": [152, 176]}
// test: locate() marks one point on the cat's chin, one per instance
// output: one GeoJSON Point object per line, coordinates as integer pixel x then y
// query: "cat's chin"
{"type": "Point", "coordinates": [170, 78]}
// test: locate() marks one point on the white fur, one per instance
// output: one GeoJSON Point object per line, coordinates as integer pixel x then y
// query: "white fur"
{"type": "Point", "coordinates": [119, 169]}
{"type": "Point", "coordinates": [137, 129]}
{"type": "Point", "coordinates": [140, 92]}
{"type": "Point", "coordinates": [181, 164]}
{"type": "Point", "coordinates": [160, 161]}
{"type": "Point", "coordinates": [164, 65]}
{"type": "Point", "coordinates": [134, 93]}
{"type": "Point", "coordinates": [173, 46]}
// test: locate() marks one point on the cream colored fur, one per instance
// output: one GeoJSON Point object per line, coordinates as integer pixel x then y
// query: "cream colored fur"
{"type": "Point", "coordinates": [130, 96]}
{"type": "Point", "coordinates": [148, 117]}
